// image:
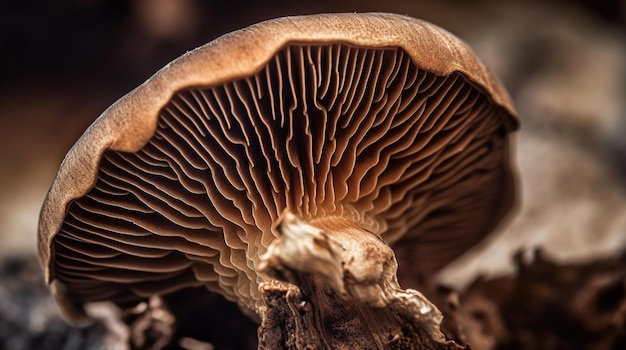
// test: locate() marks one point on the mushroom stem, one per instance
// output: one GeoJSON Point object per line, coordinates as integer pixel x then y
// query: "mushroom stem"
{"type": "Point", "coordinates": [340, 279]}
{"type": "Point", "coordinates": [354, 262]}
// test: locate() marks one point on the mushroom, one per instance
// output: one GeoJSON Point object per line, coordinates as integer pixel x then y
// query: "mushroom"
{"type": "Point", "coordinates": [286, 160]}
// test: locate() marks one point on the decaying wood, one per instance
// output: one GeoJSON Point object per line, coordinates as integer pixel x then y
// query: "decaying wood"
{"type": "Point", "coordinates": [292, 321]}
{"type": "Point", "coordinates": [547, 305]}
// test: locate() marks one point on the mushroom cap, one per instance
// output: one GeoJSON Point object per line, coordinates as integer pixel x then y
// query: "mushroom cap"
{"type": "Point", "coordinates": [384, 119]}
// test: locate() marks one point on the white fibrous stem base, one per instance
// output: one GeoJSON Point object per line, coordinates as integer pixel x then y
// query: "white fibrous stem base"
{"type": "Point", "coordinates": [335, 286]}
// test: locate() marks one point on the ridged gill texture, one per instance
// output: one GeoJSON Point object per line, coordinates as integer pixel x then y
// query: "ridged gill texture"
{"type": "Point", "coordinates": [322, 130]}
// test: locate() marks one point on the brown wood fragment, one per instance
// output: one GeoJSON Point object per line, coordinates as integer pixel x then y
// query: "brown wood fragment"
{"type": "Point", "coordinates": [549, 306]}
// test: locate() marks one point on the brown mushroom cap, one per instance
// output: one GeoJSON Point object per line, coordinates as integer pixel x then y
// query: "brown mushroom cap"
{"type": "Point", "coordinates": [384, 120]}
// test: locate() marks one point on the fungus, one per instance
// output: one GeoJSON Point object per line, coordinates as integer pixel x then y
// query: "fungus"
{"type": "Point", "coordinates": [278, 166]}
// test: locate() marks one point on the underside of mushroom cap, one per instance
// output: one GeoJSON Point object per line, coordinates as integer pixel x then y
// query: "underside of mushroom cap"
{"type": "Point", "coordinates": [380, 119]}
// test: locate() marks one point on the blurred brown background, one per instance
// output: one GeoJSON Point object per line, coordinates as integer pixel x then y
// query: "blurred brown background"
{"type": "Point", "coordinates": [564, 63]}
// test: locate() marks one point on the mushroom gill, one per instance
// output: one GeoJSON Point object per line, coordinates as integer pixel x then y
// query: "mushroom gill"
{"type": "Point", "coordinates": [332, 133]}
